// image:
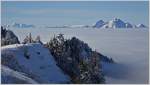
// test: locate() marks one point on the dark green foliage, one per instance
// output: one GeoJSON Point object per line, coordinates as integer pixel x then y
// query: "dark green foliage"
{"type": "Point", "coordinates": [82, 68]}
{"type": "Point", "coordinates": [3, 32]}
{"type": "Point", "coordinates": [8, 37]}
{"type": "Point", "coordinates": [28, 39]}
{"type": "Point", "coordinates": [38, 40]}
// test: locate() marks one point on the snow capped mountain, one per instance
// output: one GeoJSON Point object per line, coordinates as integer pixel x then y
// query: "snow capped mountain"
{"type": "Point", "coordinates": [99, 24]}
{"type": "Point", "coordinates": [34, 61]}
{"type": "Point", "coordinates": [19, 25]}
{"type": "Point", "coordinates": [128, 25]}
{"type": "Point", "coordinates": [116, 23]}
{"type": "Point", "coordinates": [141, 26]}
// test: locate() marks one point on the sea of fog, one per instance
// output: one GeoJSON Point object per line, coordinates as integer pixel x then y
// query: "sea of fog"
{"type": "Point", "coordinates": [128, 47]}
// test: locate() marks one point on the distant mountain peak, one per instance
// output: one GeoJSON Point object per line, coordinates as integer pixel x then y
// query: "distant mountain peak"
{"type": "Point", "coordinates": [99, 24]}
{"type": "Point", "coordinates": [116, 19]}
{"type": "Point", "coordinates": [22, 25]}
{"type": "Point", "coordinates": [141, 26]}
{"type": "Point", "coordinates": [116, 23]}
{"type": "Point", "coordinates": [128, 25]}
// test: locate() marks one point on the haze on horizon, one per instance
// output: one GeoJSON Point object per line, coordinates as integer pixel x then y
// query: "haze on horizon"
{"type": "Point", "coordinates": [54, 13]}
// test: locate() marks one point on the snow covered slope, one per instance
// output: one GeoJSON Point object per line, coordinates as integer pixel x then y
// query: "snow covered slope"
{"type": "Point", "coordinates": [35, 61]}
{"type": "Point", "coordinates": [99, 24]}
{"type": "Point", "coordinates": [11, 76]}
{"type": "Point", "coordinates": [115, 23]}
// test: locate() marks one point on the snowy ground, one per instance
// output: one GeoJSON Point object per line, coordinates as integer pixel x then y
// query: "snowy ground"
{"type": "Point", "coordinates": [128, 47]}
{"type": "Point", "coordinates": [39, 63]}
{"type": "Point", "coordinates": [9, 76]}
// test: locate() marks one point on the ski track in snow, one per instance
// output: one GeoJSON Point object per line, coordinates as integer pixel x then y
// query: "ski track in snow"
{"type": "Point", "coordinates": [128, 47]}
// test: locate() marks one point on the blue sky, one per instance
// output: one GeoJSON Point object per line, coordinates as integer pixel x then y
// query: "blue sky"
{"type": "Point", "coordinates": [79, 12]}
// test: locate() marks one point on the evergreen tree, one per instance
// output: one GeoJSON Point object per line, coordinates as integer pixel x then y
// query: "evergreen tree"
{"type": "Point", "coordinates": [70, 58]}
{"type": "Point", "coordinates": [25, 40]}
{"type": "Point", "coordinates": [28, 39]}
{"type": "Point", "coordinates": [8, 37]}
{"type": "Point", "coordinates": [38, 40]}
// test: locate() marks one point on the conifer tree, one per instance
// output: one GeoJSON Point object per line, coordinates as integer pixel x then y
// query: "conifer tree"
{"type": "Point", "coordinates": [38, 40]}
{"type": "Point", "coordinates": [30, 38]}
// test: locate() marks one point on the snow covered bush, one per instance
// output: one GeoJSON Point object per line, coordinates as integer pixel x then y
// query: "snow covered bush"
{"type": "Point", "coordinates": [29, 39]}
